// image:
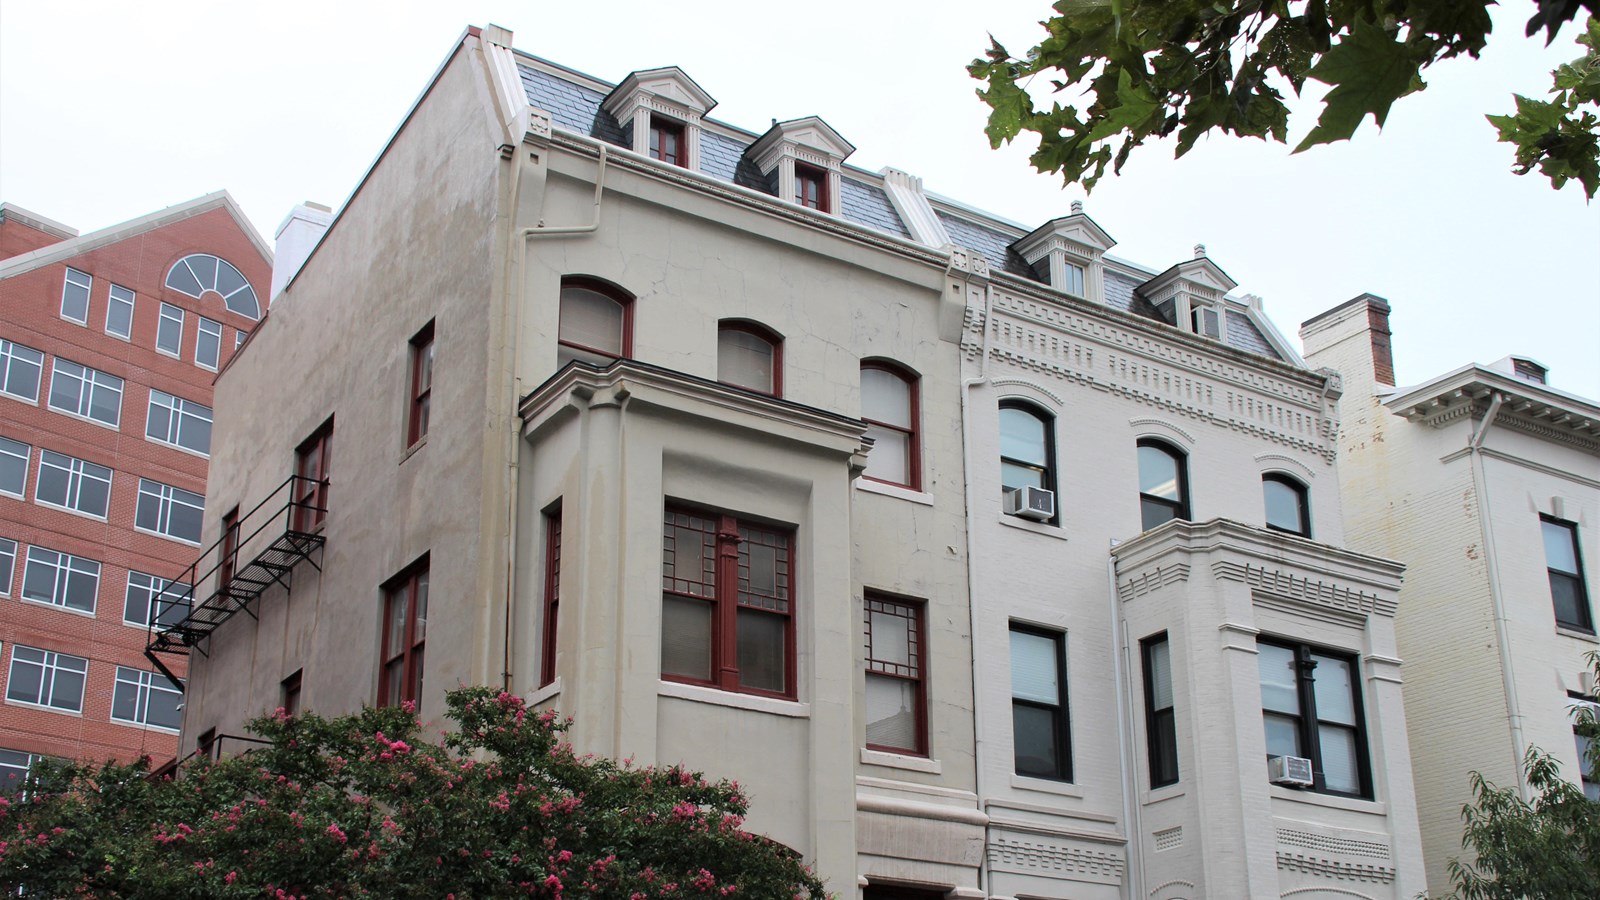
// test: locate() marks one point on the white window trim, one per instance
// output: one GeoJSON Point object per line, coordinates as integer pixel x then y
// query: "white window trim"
{"type": "Point", "coordinates": [16, 550]}
{"type": "Point", "coordinates": [122, 394]}
{"type": "Point", "coordinates": [27, 466]}
{"type": "Point", "coordinates": [82, 695]}
{"type": "Point", "coordinates": [38, 388]}
{"type": "Point", "coordinates": [149, 677]}
{"type": "Point", "coordinates": [162, 316]}
{"type": "Point", "coordinates": [39, 476]}
{"type": "Point", "coordinates": [150, 604]}
{"type": "Point", "coordinates": [718, 697]}
{"type": "Point", "coordinates": [88, 295]}
{"type": "Point", "coordinates": [909, 763]}
{"type": "Point", "coordinates": [98, 577]}
{"type": "Point", "coordinates": [174, 411]}
{"type": "Point", "coordinates": [200, 331]}
{"type": "Point", "coordinates": [111, 300]}
{"type": "Point", "coordinates": [161, 534]}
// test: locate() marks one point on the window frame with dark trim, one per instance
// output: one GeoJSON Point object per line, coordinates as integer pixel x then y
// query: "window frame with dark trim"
{"type": "Point", "coordinates": [289, 693]}
{"type": "Point", "coordinates": [400, 664]}
{"type": "Point", "coordinates": [730, 537]}
{"type": "Point", "coordinates": [571, 350]}
{"type": "Point", "coordinates": [1302, 500]}
{"type": "Point", "coordinates": [552, 596]}
{"type": "Point", "coordinates": [309, 493]}
{"type": "Point", "coordinates": [1306, 720]}
{"type": "Point", "coordinates": [1179, 508]}
{"type": "Point", "coordinates": [1570, 585]}
{"type": "Point", "coordinates": [907, 668]}
{"type": "Point", "coordinates": [420, 400]}
{"type": "Point", "coordinates": [1060, 725]}
{"type": "Point", "coordinates": [911, 432]}
{"type": "Point", "coordinates": [1047, 469]}
{"type": "Point", "coordinates": [815, 178]}
{"type": "Point", "coordinates": [1160, 722]}
{"type": "Point", "coordinates": [773, 340]}
{"type": "Point", "coordinates": [661, 126]}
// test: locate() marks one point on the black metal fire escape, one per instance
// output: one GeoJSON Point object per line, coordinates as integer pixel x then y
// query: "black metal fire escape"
{"type": "Point", "coordinates": [258, 551]}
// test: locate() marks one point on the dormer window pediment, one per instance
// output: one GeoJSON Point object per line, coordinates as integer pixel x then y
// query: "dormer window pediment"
{"type": "Point", "coordinates": [808, 157]}
{"type": "Point", "coordinates": [662, 110]}
{"type": "Point", "coordinates": [1069, 251]}
{"type": "Point", "coordinates": [1192, 296]}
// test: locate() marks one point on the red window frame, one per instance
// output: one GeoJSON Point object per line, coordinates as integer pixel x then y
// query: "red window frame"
{"type": "Point", "coordinates": [757, 330]}
{"type": "Point", "coordinates": [310, 491]}
{"type": "Point", "coordinates": [291, 694]}
{"type": "Point", "coordinates": [228, 551]}
{"type": "Point", "coordinates": [400, 656]}
{"type": "Point", "coordinates": [913, 670]}
{"type": "Point", "coordinates": [913, 434]}
{"type": "Point", "coordinates": [811, 187]}
{"type": "Point", "coordinates": [609, 291]}
{"type": "Point", "coordinates": [663, 130]}
{"type": "Point", "coordinates": [421, 385]}
{"type": "Point", "coordinates": [552, 596]}
{"type": "Point", "coordinates": [724, 591]}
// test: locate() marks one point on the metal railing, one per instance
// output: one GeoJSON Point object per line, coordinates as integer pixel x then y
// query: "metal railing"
{"type": "Point", "coordinates": [280, 532]}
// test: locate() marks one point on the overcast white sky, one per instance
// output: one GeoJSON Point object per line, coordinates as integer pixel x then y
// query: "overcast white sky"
{"type": "Point", "coordinates": [110, 110]}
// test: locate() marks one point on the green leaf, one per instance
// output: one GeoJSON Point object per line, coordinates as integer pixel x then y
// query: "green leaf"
{"type": "Point", "coordinates": [1369, 70]}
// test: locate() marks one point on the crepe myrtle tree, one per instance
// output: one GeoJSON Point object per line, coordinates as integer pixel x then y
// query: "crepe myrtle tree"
{"type": "Point", "coordinates": [363, 806]}
{"type": "Point", "coordinates": [1547, 846]}
{"type": "Point", "coordinates": [1154, 68]}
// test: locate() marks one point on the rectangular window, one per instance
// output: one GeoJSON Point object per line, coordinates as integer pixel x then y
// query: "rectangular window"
{"type": "Point", "coordinates": [145, 698]}
{"type": "Point", "coordinates": [1040, 731]}
{"type": "Point", "coordinates": [14, 766]}
{"type": "Point", "coordinates": [1311, 707]}
{"type": "Point", "coordinates": [179, 422]}
{"type": "Point", "coordinates": [811, 187]}
{"type": "Point", "coordinates": [152, 598]}
{"type": "Point", "coordinates": [14, 456]}
{"type": "Point", "coordinates": [228, 552]}
{"type": "Point", "coordinates": [169, 330]}
{"type": "Point", "coordinates": [239, 338]}
{"type": "Point", "coordinates": [208, 344]}
{"type": "Point", "coordinates": [1584, 710]}
{"type": "Point", "coordinates": [1160, 723]}
{"type": "Point", "coordinates": [8, 565]}
{"type": "Point", "coordinates": [667, 142]}
{"type": "Point", "coordinates": [61, 579]}
{"type": "Point", "coordinates": [1074, 279]}
{"type": "Point", "coordinates": [20, 370]}
{"type": "Point", "coordinates": [552, 595]}
{"type": "Point", "coordinates": [169, 511]}
{"type": "Point", "coordinates": [310, 490]}
{"type": "Point", "coordinates": [726, 613]}
{"type": "Point", "coordinates": [405, 631]}
{"type": "Point", "coordinates": [119, 312]}
{"type": "Point", "coordinates": [71, 483]}
{"type": "Point", "coordinates": [75, 296]}
{"type": "Point", "coordinates": [897, 707]}
{"type": "Point", "coordinates": [290, 695]}
{"type": "Point", "coordinates": [84, 391]}
{"type": "Point", "coordinates": [1565, 567]}
{"type": "Point", "coordinates": [421, 385]}
{"type": "Point", "coordinates": [1207, 321]}
{"type": "Point", "coordinates": [46, 678]}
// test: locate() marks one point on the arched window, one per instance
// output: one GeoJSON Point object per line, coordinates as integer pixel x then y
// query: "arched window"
{"type": "Point", "coordinates": [1027, 450]}
{"type": "Point", "coordinates": [200, 272]}
{"type": "Point", "coordinates": [1163, 483]}
{"type": "Point", "coordinates": [1287, 507]}
{"type": "Point", "coordinates": [889, 407]}
{"type": "Point", "coordinates": [596, 322]}
{"type": "Point", "coordinates": [749, 356]}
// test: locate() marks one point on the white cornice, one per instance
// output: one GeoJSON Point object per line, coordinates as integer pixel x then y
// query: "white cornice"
{"type": "Point", "coordinates": [668, 83]}
{"type": "Point", "coordinates": [799, 135]}
{"type": "Point", "coordinates": [1525, 406]}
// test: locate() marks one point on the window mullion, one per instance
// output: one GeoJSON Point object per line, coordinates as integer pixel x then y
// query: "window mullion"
{"type": "Point", "coordinates": [724, 639]}
{"type": "Point", "coordinates": [1310, 738]}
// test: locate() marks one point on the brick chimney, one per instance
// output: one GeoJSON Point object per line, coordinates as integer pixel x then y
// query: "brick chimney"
{"type": "Point", "coordinates": [1353, 338]}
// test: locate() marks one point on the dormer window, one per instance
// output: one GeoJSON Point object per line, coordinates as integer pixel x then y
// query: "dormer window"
{"type": "Point", "coordinates": [667, 141]}
{"type": "Point", "coordinates": [1528, 370]}
{"type": "Point", "coordinates": [1192, 296]}
{"type": "Point", "coordinates": [1206, 321]}
{"type": "Point", "coordinates": [1072, 282]}
{"type": "Point", "coordinates": [811, 187]}
{"type": "Point", "coordinates": [661, 111]}
{"type": "Point", "coordinates": [807, 156]}
{"type": "Point", "coordinates": [1068, 251]}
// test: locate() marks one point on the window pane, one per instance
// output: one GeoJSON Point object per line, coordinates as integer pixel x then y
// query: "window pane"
{"type": "Point", "coordinates": [125, 698]}
{"type": "Point", "coordinates": [1569, 600]}
{"type": "Point", "coordinates": [421, 629]}
{"type": "Point", "coordinates": [591, 319]}
{"type": "Point", "coordinates": [891, 639]}
{"type": "Point", "coordinates": [27, 677]}
{"type": "Point", "coordinates": [395, 629]}
{"type": "Point", "coordinates": [67, 691]}
{"type": "Point", "coordinates": [1013, 476]}
{"type": "Point", "coordinates": [1331, 682]}
{"type": "Point", "coordinates": [1153, 513]}
{"type": "Point", "coordinates": [163, 709]}
{"type": "Point", "coordinates": [1034, 668]}
{"type": "Point", "coordinates": [1022, 436]}
{"type": "Point", "coordinates": [686, 638]}
{"type": "Point", "coordinates": [891, 711]}
{"type": "Point", "coordinates": [890, 459]}
{"type": "Point", "coordinates": [1339, 766]}
{"type": "Point", "coordinates": [1161, 674]}
{"type": "Point", "coordinates": [744, 359]}
{"type": "Point", "coordinates": [1559, 552]}
{"type": "Point", "coordinates": [1034, 738]}
{"type": "Point", "coordinates": [761, 650]}
{"type": "Point", "coordinates": [1283, 505]}
{"type": "Point", "coordinates": [1283, 736]}
{"type": "Point", "coordinates": [885, 397]}
{"type": "Point", "coordinates": [1158, 473]}
{"type": "Point", "coordinates": [1279, 687]}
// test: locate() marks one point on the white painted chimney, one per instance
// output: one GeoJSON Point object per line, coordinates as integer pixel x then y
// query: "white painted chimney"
{"type": "Point", "coordinates": [297, 237]}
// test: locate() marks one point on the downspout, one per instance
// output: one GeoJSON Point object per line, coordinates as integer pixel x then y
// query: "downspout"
{"type": "Point", "coordinates": [973, 581]}
{"type": "Point", "coordinates": [1132, 816]}
{"type": "Point", "coordinates": [519, 251]}
{"type": "Point", "coordinates": [1502, 627]}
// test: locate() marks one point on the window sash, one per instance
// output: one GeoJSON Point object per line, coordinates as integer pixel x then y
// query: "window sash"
{"type": "Point", "coordinates": [21, 368]}
{"type": "Point", "coordinates": [61, 579]}
{"type": "Point", "coordinates": [895, 702]}
{"type": "Point", "coordinates": [1041, 731]}
{"type": "Point", "coordinates": [14, 460]}
{"type": "Point", "coordinates": [405, 623]}
{"type": "Point", "coordinates": [151, 599]}
{"type": "Point", "coordinates": [552, 597]}
{"type": "Point", "coordinates": [310, 493]}
{"type": "Point", "coordinates": [1333, 734]}
{"type": "Point", "coordinates": [421, 385]}
{"type": "Point", "coordinates": [889, 407]}
{"type": "Point", "coordinates": [593, 326]}
{"type": "Point", "coordinates": [1564, 565]}
{"type": "Point", "coordinates": [67, 482]}
{"type": "Point", "coordinates": [1286, 506]}
{"type": "Point", "coordinates": [119, 312]}
{"type": "Point", "coordinates": [75, 296]}
{"type": "Point", "coordinates": [1161, 734]}
{"type": "Point", "coordinates": [83, 391]}
{"type": "Point", "coordinates": [169, 511]}
{"type": "Point", "coordinates": [48, 679]}
{"type": "Point", "coordinates": [8, 565]}
{"type": "Point", "coordinates": [178, 422]}
{"type": "Point", "coordinates": [169, 330]}
{"type": "Point", "coordinates": [208, 344]}
{"type": "Point", "coordinates": [138, 697]}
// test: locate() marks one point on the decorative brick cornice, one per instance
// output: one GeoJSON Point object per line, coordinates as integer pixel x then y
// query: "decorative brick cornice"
{"type": "Point", "coordinates": [1287, 585]}
{"type": "Point", "coordinates": [1153, 580]}
{"type": "Point", "coordinates": [1338, 870]}
{"type": "Point", "coordinates": [1056, 859]}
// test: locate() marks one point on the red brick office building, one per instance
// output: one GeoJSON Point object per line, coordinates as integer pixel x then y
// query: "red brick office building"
{"type": "Point", "coordinates": [109, 344]}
